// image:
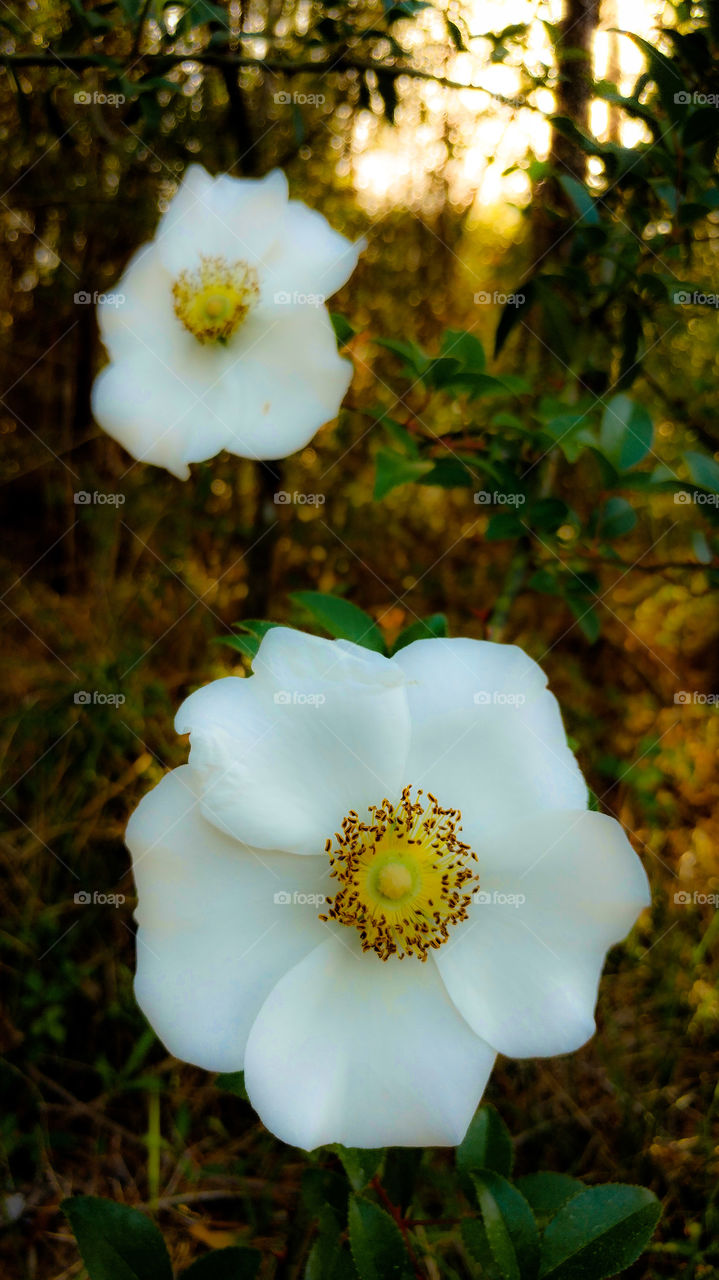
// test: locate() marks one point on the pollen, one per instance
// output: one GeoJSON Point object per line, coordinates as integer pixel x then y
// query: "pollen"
{"type": "Point", "coordinates": [214, 300]}
{"type": "Point", "coordinates": [405, 878]}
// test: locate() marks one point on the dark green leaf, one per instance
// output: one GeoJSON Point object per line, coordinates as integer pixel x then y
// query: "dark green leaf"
{"type": "Point", "coordinates": [116, 1242]}
{"type": "Point", "coordinates": [616, 518]}
{"type": "Point", "coordinates": [510, 1226]}
{"type": "Point", "coordinates": [341, 618]}
{"type": "Point", "coordinates": [233, 1263]}
{"type": "Point", "coordinates": [513, 313]}
{"type": "Point", "coordinates": [360, 1164]}
{"type": "Point", "coordinates": [586, 616]}
{"type": "Point", "coordinates": [598, 1233]}
{"type": "Point", "coordinates": [464, 347]}
{"type": "Point", "coordinates": [504, 524]}
{"type": "Point", "coordinates": [376, 1243]}
{"type": "Point", "coordinates": [703, 470]}
{"type": "Point", "coordinates": [394, 469]}
{"type": "Point", "coordinates": [233, 1082]}
{"type": "Point", "coordinates": [581, 199]}
{"type": "Point", "coordinates": [344, 331]}
{"type": "Point", "coordinates": [416, 360]}
{"type": "Point", "coordinates": [547, 1192]}
{"type": "Point", "coordinates": [423, 629]}
{"type": "Point", "coordinates": [487, 1144]}
{"type": "Point", "coordinates": [329, 1259]}
{"type": "Point", "coordinates": [625, 434]}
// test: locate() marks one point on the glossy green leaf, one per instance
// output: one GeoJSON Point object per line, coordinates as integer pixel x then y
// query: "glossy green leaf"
{"type": "Point", "coordinates": [376, 1242]}
{"type": "Point", "coordinates": [547, 1192]}
{"type": "Point", "coordinates": [360, 1164]}
{"type": "Point", "coordinates": [598, 1233]}
{"type": "Point", "coordinates": [703, 470]}
{"type": "Point", "coordinates": [423, 629]}
{"type": "Point", "coordinates": [616, 518]}
{"type": "Point", "coordinates": [341, 618]}
{"type": "Point", "coordinates": [487, 1144]}
{"type": "Point", "coordinates": [395, 469]}
{"type": "Point", "coordinates": [344, 331]}
{"type": "Point", "coordinates": [115, 1241]}
{"type": "Point", "coordinates": [511, 1229]}
{"type": "Point", "coordinates": [625, 434]}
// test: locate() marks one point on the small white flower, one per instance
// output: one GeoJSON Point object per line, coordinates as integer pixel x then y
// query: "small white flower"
{"type": "Point", "coordinates": [222, 340]}
{"type": "Point", "coordinates": [309, 900]}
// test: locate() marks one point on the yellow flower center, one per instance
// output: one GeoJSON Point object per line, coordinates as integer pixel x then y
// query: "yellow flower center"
{"type": "Point", "coordinates": [405, 877]}
{"type": "Point", "coordinates": [213, 300]}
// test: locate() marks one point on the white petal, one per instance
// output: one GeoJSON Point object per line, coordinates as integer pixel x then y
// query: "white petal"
{"type": "Point", "coordinates": [487, 736]}
{"type": "Point", "coordinates": [233, 218]}
{"type": "Point", "coordinates": [153, 411]}
{"type": "Point", "coordinates": [212, 940]}
{"type": "Point", "coordinates": [285, 380]}
{"type": "Point", "coordinates": [320, 729]}
{"type": "Point", "coordinates": [309, 259]}
{"type": "Point", "coordinates": [349, 1049]}
{"type": "Point", "coordinates": [525, 973]}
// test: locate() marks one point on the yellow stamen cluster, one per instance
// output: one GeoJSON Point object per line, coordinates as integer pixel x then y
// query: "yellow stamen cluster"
{"type": "Point", "coordinates": [405, 876]}
{"type": "Point", "coordinates": [214, 300]}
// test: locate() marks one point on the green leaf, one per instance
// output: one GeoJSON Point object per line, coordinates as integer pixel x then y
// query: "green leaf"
{"type": "Point", "coordinates": [547, 1192]}
{"type": "Point", "coordinates": [512, 314]}
{"type": "Point", "coordinates": [511, 1230]}
{"type": "Point", "coordinates": [359, 1163]}
{"type": "Point", "coordinates": [666, 76]}
{"type": "Point", "coordinates": [504, 524]}
{"type": "Point", "coordinates": [423, 629]}
{"type": "Point", "coordinates": [464, 347]}
{"type": "Point", "coordinates": [581, 199]}
{"type": "Point", "coordinates": [616, 518]}
{"type": "Point", "coordinates": [246, 645]}
{"type": "Point", "coordinates": [416, 360]}
{"type": "Point", "coordinates": [328, 1259]}
{"type": "Point", "coordinates": [598, 1233]}
{"type": "Point", "coordinates": [233, 1263]}
{"type": "Point", "coordinates": [395, 469]}
{"type": "Point", "coordinates": [487, 1144]}
{"type": "Point", "coordinates": [586, 615]}
{"type": "Point", "coordinates": [344, 331]}
{"type": "Point", "coordinates": [233, 1082]}
{"type": "Point", "coordinates": [625, 433]}
{"type": "Point", "coordinates": [341, 618]}
{"type": "Point", "coordinates": [376, 1243]}
{"type": "Point", "coordinates": [703, 470]}
{"type": "Point", "coordinates": [116, 1242]}
{"type": "Point", "coordinates": [477, 1244]}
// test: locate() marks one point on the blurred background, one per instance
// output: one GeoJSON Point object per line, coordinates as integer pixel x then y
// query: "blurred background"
{"type": "Point", "coordinates": [573, 173]}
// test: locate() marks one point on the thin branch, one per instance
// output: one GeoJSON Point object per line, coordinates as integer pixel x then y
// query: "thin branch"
{"type": "Point", "coordinates": [279, 66]}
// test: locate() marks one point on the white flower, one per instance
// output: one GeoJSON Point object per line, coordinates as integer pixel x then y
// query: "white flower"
{"type": "Point", "coordinates": [217, 333]}
{"type": "Point", "coordinates": [366, 980]}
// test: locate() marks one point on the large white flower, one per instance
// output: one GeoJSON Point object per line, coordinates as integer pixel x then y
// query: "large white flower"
{"type": "Point", "coordinates": [217, 333]}
{"type": "Point", "coordinates": [313, 908]}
